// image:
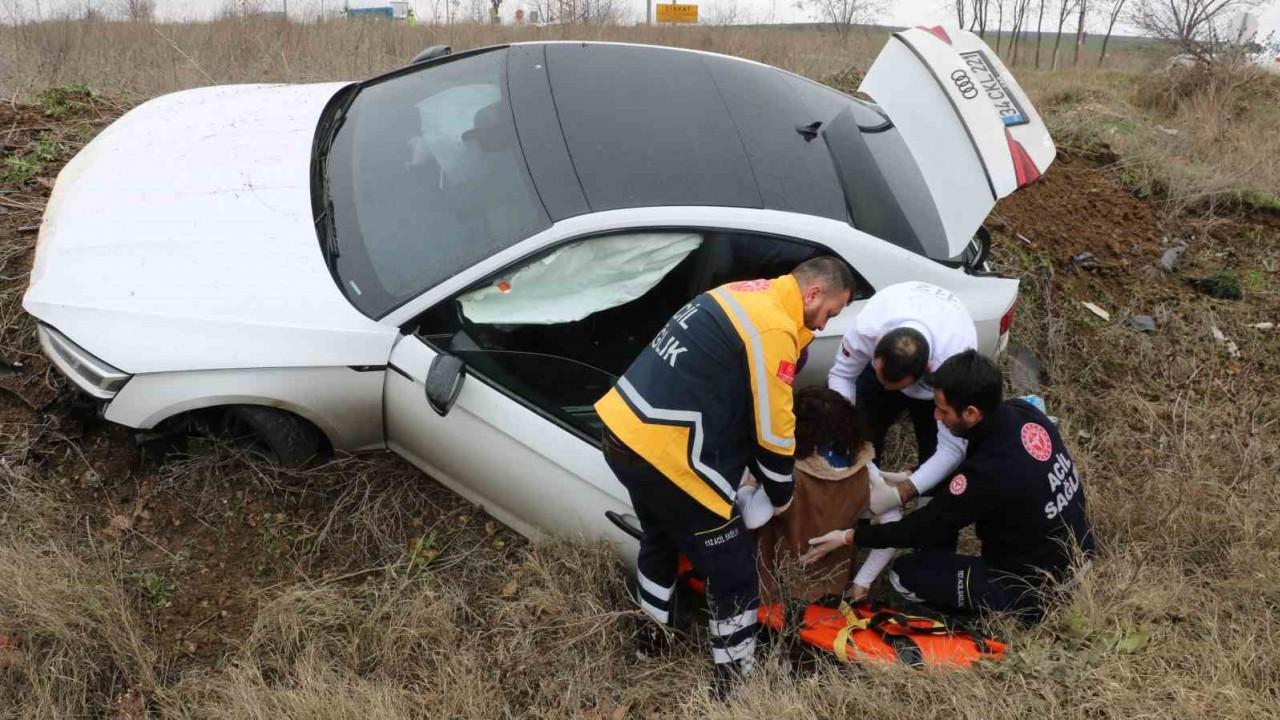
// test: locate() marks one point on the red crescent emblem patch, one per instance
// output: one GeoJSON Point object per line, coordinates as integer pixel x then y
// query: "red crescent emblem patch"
{"type": "Point", "coordinates": [958, 484]}
{"type": "Point", "coordinates": [750, 285]}
{"type": "Point", "coordinates": [787, 372]}
{"type": "Point", "coordinates": [1036, 441]}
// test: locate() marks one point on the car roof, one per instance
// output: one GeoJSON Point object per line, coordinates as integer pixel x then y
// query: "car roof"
{"type": "Point", "coordinates": [645, 126]}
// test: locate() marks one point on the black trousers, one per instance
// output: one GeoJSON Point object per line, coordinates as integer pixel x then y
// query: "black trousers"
{"type": "Point", "coordinates": [722, 551]}
{"type": "Point", "coordinates": [950, 582]}
{"type": "Point", "coordinates": [881, 409]}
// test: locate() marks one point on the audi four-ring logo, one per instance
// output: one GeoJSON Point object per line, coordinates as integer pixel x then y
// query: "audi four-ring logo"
{"type": "Point", "coordinates": [964, 84]}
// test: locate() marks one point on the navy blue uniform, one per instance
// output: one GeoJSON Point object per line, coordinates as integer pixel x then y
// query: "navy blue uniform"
{"type": "Point", "coordinates": [1019, 488]}
{"type": "Point", "coordinates": [709, 399]}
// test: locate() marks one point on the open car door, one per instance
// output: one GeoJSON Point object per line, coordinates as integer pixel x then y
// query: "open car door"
{"type": "Point", "coordinates": [971, 134]}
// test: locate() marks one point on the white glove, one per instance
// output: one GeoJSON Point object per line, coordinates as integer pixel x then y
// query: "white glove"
{"type": "Point", "coordinates": [884, 496]}
{"type": "Point", "coordinates": [754, 506]}
{"type": "Point", "coordinates": [895, 478]}
{"type": "Point", "coordinates": [820, 546]}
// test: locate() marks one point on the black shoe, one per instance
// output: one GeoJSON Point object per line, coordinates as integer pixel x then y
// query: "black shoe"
{"type": "Point", "coordinates": [728, 676]}
{"type": "Point", "coordinates": [653, 641]}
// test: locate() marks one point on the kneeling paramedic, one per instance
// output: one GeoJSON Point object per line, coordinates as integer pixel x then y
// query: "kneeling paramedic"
{"type": "Point", "coordinates": [709, 398]}
{"type": "Point", "coordinates": [1017, 485]}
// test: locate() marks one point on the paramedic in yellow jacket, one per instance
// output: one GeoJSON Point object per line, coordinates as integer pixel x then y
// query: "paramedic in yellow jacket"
{"type": "Point", "coordinates": [709, 398]}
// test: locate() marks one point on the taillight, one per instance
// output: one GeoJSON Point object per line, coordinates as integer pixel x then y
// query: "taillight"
{"type": "Point", "coordinates": [1006, 320]}
{"type": "Point", "coordinates": [1024, 168]}
{"type": "Point", "coordinates": [937, 31]}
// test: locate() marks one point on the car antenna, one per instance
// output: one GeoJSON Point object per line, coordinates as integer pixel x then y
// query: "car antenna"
{"type": "Point", "coordinates": [810, 131]}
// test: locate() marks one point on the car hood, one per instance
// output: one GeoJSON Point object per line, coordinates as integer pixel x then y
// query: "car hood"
{"type": "Point", "coordinates": [181, 238]}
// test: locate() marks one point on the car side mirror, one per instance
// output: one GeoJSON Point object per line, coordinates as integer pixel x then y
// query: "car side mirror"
{"type": "Point", "coordinates": [444, 382]}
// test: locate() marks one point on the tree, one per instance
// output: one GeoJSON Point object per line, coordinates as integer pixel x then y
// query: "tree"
{"type": "Point", "coordinates": [139, 10]}
{"type": "Point", "coordinates": [1084, 13]}
{"type": "Point", "coordinates": [1039, 31]}
{"type": "Point", "coordinates": [999, 23]}
{"type": "Point", "coordinates": [1019, 23]}
{"type": "Point", "coordinates": [1195, 26]}
{"type": "Point", "coordinates": [979, 21]}
{"type": "Point", "coordinates": [579, 12]}
{"type": "Point", "coordinates": [959, 13]}
{"type": "Point", "coordinates": [724, 12]}
{"type": "Point", "coordinates": [844, 14]}
{"type": "Point", "coordinates": [1113, 13]}
{"type": "Point", "coordinates": [1065, 7]}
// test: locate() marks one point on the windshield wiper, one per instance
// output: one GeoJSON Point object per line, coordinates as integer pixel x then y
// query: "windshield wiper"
{"type": "Point", "coordinates": [326, 226]}
{"type": "Point", "coordinates": [329, 234]}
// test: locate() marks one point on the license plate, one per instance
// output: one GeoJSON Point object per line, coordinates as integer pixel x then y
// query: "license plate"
{"type": "Point", "coordinates": [991, 84]}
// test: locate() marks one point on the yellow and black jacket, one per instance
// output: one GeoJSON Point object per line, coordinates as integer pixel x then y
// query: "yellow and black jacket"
{"type": "Point", "coordinates": [711, 395]}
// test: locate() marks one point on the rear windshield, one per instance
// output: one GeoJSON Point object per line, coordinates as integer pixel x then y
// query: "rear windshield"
{"type": "Point", "coordinates": [427, 178]}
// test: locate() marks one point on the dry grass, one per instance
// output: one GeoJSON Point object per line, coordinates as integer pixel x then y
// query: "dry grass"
{"type": "Point", "coordinates": [142, 60]}
{"type": "Point", "coordinates": [362, 590]}
{"type": "Point", "coordinates": [1195, 139]}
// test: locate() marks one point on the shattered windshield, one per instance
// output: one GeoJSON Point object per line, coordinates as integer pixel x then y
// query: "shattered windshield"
{"type": "Point", "coordinates": [426, 178]}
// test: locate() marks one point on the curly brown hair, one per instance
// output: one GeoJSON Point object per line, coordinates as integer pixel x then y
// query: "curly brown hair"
{"type": "Point", "coordinates": [825, 419]}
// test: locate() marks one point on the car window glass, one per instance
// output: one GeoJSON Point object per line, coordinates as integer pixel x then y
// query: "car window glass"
{"type": "Point", "coordinates": [820, 100]}
{"type": "Point", "coordinates": [427, 178]}
{"type": "Point", "coordinates": [728, 256]}
{"type": "Point", "coordinates": [561, 368]}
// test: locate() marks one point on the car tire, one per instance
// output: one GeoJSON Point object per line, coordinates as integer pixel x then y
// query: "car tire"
{"type": "Point", "coordinates": [276, 436]}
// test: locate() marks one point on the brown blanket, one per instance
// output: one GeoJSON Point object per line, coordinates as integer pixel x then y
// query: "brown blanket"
{"type": "Point", "coordinates": [825, 499]}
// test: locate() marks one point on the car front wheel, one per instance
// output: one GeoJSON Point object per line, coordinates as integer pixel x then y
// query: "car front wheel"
{"type": "Point", "coordinates": [279, 437]}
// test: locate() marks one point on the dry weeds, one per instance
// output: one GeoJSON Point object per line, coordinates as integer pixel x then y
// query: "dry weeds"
{"type": "Point", "coordinates": [361, 589]}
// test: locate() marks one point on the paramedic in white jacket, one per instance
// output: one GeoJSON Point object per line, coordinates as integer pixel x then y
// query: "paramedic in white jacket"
{"type": "Point", "coordinates": [905, 332]}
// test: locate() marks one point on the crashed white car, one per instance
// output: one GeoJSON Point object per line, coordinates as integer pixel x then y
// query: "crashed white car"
{"type": "Point", "coordinates": [455, 260]}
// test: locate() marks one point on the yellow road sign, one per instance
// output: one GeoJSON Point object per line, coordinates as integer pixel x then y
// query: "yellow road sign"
{"type": "Point", "coordinates": [669, 13]}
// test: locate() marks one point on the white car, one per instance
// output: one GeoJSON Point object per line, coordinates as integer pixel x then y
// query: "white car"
{"type": "Point", "coordinates": [455, 260]}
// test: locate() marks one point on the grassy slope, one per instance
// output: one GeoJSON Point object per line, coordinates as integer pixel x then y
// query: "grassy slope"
{"type": "Point", "coordinates": [363, 590]}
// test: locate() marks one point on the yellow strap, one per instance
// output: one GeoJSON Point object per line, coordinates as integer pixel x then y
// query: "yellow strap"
{"type": "Point", "coordinates": [852, 622]}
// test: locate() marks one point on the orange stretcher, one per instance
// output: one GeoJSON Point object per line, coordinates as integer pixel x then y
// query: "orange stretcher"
{"type": "Point", "coordinates": [866, 632]}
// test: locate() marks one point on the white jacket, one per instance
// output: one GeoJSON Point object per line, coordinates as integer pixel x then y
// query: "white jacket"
{"type": "Point", "coordinates": [939, 316]}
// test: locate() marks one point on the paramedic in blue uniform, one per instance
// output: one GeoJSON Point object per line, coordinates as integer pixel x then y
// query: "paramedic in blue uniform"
{"type": "Point", "coordinates": [708, 399]}
{"type": "Point", "coordinates": [1017, 485]}
{"type": "Point", "coordinates": [904, 332]}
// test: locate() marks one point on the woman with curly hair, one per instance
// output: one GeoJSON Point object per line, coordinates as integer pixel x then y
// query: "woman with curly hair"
{"type": "Point", "coordinates": [832, 467]}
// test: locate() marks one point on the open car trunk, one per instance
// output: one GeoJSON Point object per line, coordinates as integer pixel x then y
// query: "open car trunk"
{"type": "Point", "coordinates": [949, 133]}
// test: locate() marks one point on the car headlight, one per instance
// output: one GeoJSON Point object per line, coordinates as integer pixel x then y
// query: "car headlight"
{"type": "Point", "coordinates": [88, 372]}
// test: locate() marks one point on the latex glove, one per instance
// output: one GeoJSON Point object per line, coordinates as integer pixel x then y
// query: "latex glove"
{"type": "Point", "coordinates": [895, 478]}
{"type": "Point", "coordinates": [884, 496]}
{"type": "Point", "coordinates": [754, 506]}
{"type": "Point", "coordinates": [857, 593]}
{"type": "Point", "coordinates": [820, 546]}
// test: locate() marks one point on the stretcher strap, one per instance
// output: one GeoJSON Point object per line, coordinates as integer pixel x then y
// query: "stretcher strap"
{"type": "Point", "coordinates": [955, 626]}
{"type": "Point", "coordinates": [852, 622]}
{"type": "Point", "coordinates": [903, 646]}
{"type": "Point", "coordinates": [906, 648]}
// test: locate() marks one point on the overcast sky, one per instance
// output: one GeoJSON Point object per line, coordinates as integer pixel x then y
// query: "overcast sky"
{"type": "Point", "coordinates": [897, 12]}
